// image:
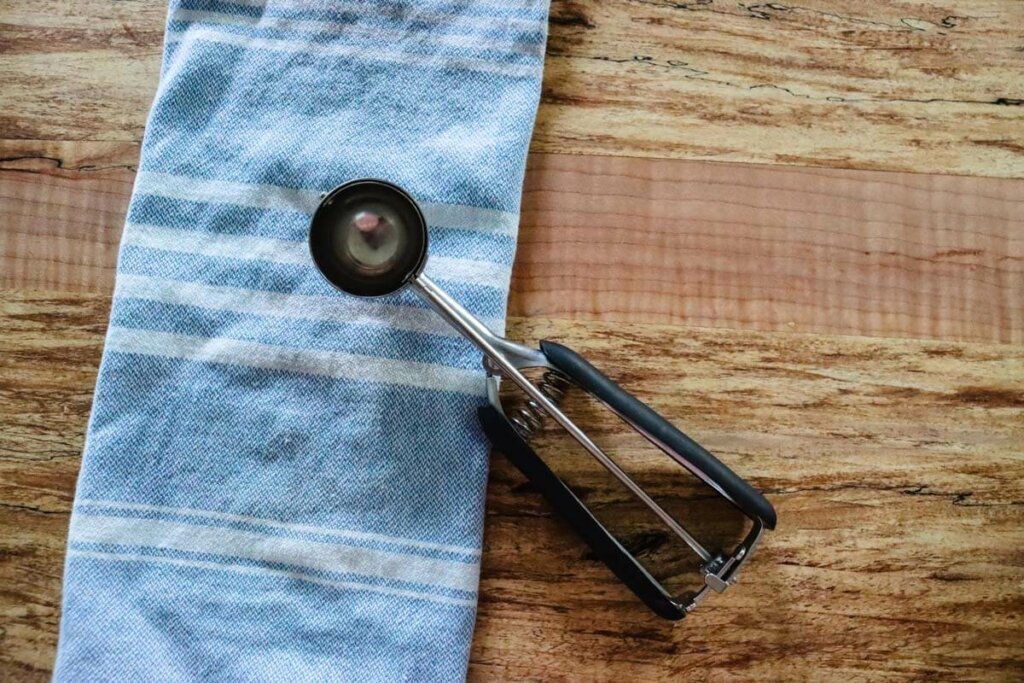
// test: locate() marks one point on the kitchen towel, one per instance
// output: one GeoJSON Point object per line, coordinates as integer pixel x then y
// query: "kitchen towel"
{"type": "Point", "coordinates": [282, 482]}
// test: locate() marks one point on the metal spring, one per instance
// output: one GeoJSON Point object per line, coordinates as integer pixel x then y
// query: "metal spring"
{"type": "Point", "coordinates": [528, 417]}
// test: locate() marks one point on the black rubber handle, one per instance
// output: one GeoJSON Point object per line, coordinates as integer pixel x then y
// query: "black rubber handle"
{"type": "Point", "coordinates": [506, 440]}
{"type": "Point", "coordinates": [745, 496]}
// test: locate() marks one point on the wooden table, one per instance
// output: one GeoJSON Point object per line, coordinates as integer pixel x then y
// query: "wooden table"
{"type": "Point", "coordinates": [838, 312]}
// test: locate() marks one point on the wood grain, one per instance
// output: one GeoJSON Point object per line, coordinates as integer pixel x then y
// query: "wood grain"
{"type": "Point", "coordinates": [50, 355]}
{"type": "Point", "coordinates": [895, 465]}
{"type": "Point", "coordinates": [83, 70]}
{"type": "Point", "coordinates": [729, 245]}
{"type": "Point", "coordinates": [883, 84]}
{"type": "Point", "coordinates": [880, 84]}
{"type": "Point", "coordinates": [640, 240]}
{"type": "Point", "coordinates": [63, 206]}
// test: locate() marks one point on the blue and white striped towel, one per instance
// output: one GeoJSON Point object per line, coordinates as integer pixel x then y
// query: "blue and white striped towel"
{"type": "Point", "coordinates": [281, 482]}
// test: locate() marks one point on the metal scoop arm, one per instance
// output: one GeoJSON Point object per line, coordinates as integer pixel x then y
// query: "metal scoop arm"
{"type": "Point", "coordinates": [662, 433]}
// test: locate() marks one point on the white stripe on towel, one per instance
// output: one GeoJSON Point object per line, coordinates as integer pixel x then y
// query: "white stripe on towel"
{"type": "Point", "coordinates": [275, 524]}
{"type": "Point", "coordinates": [273, 549]}
{"type": "Point", "coordinates": [413, 13]}
{"type": "Point", "coordinates": [341, 309]}
{"type": "Point", "coordinates": [260, 196]}
{"type": "Point", "coordinates": [292, 359]}
{"type": "Point", "coordinates": [266, 571]}
{"type": "Point", "coordinates": [291, 252]}
{"type": "Point", "coordinates": [533, 49]}
{"type": "Point", "coordinates": [305, 47]}
{"type": "Point", "coordinates": [257, 196]}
